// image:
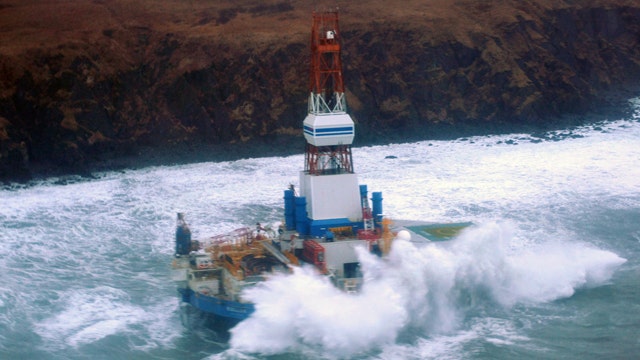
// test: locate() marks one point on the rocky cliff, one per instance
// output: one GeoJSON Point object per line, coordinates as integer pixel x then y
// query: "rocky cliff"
{"type": "Point", "coordinates": [83, 83]}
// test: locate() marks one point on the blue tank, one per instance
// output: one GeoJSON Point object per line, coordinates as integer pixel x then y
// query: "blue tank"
{"type": "Point", "coordinates": [376, 200]}
{"type": "Point", "coordinates": [289, 209]}
{"type": "Point", "coordinates": [302, 222]}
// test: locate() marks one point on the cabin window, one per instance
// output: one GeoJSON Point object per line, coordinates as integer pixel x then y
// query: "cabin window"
{"type": "Point", "coordinates": [351, 270]}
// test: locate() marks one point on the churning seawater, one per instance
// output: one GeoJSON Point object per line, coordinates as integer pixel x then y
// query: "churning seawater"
{"type": "Point", "coordinates": [550, 269]}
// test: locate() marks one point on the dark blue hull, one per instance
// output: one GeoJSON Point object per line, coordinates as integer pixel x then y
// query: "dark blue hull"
{"type": "Point", "coordinates": [231, 310]}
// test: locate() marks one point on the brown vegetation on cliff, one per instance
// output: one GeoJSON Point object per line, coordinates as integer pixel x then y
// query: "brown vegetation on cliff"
{"type": "Point", "coordinates": [81, 82]}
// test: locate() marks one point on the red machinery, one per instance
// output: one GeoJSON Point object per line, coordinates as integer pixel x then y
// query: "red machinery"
{"type": "Point", "coordinates": [314, 253]}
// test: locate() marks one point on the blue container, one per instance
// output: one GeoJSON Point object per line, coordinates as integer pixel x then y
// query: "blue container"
{"type": "Point", "coordinates": [329, 236]}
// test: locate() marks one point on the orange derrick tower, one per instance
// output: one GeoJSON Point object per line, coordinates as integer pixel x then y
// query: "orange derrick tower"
{"type": "Point", "coordinates": [328, 182]}
{"type": "Point", "coordinates": [328, 128]}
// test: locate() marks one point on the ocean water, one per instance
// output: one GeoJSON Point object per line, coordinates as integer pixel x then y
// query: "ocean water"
{"type": "Point", "coordinates": [550, 269]}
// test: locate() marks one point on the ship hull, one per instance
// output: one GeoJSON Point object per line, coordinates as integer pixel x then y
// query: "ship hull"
{"type": "Point", "coordinates": [230, 310]}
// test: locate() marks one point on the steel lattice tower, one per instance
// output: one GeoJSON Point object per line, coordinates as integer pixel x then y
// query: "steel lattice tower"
{"type": "Point", "coordinates": [328, 128]}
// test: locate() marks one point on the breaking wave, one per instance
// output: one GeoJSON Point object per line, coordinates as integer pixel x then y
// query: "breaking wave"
{"type": "Point", "coordinates": [431, 288]}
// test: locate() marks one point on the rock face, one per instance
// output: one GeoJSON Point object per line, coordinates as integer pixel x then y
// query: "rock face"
{"type": "Point", "coordinates": [85, 82]}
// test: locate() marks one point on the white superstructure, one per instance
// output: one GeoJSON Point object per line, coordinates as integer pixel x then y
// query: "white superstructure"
{"type": "Point", "coordinates": [328, 129]}
{"type": "Point", "coordinates": [332, 196]}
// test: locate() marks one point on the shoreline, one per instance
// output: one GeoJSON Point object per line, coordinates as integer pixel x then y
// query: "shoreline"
{"type": "Point", "coordinates": [286, 145]}
{"type": "Point", "coordinates": [132, 89]}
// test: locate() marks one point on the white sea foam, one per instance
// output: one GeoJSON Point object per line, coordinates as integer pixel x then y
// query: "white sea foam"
{"type": "Point", "coordinates": [75, 258]}
{"type": "Point", "coordinates": [437, 347]}
{"type": "Point", "coordinates": [429, 287]}
{"type": "Point", "coordinates": [94, 314]}
{"type": "Point", "coordinates": [499, 332]}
